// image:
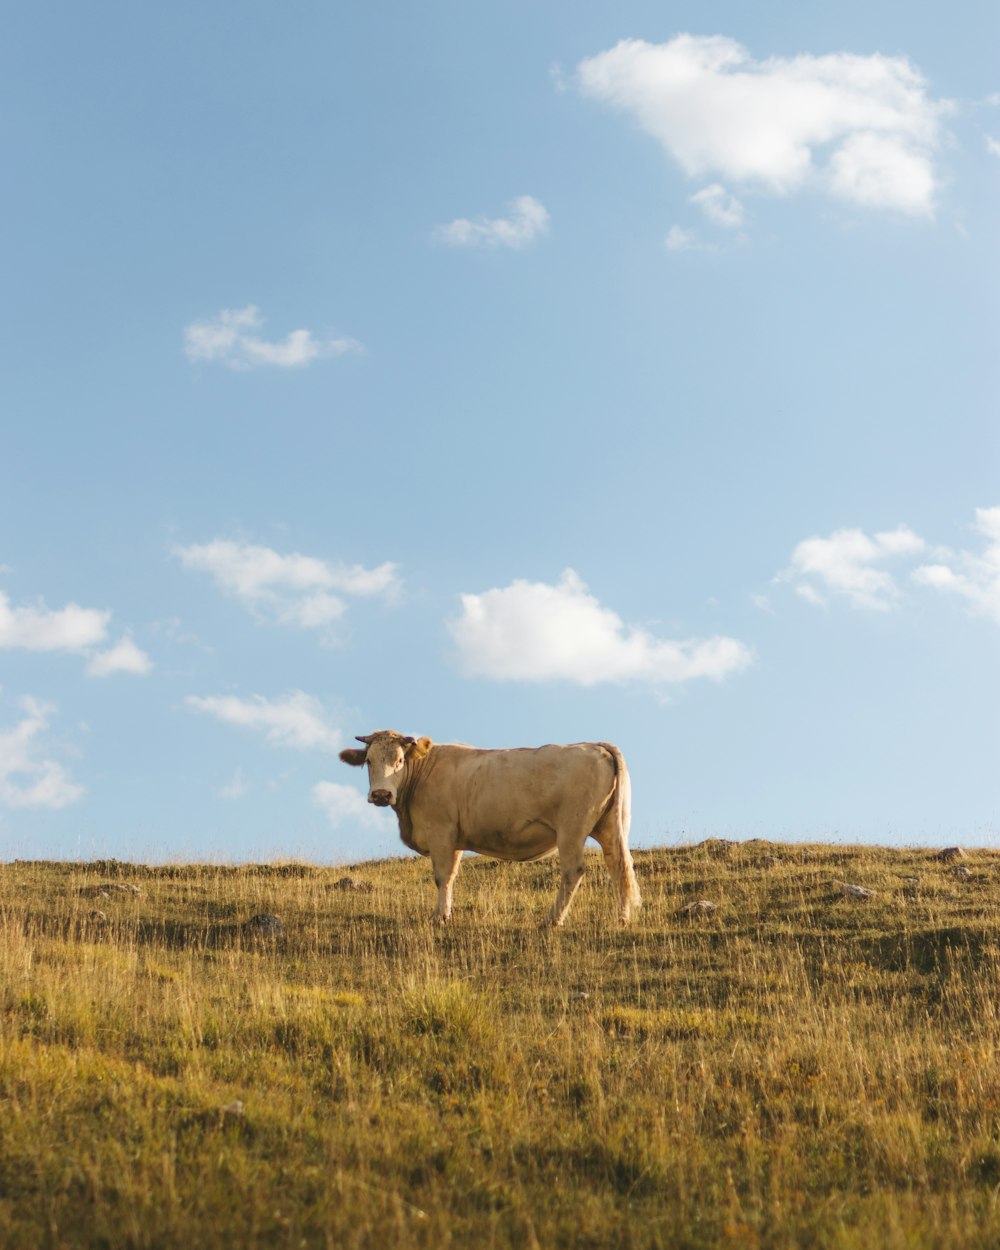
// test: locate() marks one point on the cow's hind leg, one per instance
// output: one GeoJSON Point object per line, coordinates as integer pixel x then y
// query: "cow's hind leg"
{"type": "Point", "coordinates": [572, 870]}
{"type": "Point", "coordinates": [445, 864]}
{"type": "Point", "coordinates": [622, 876]}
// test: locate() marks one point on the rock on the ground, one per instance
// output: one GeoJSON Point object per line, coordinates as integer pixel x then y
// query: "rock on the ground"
{"type": "Point", "coordinates": [854, 891]}
{"type": "Point", "coordinates": [108, 889]}
{"type": "Point", "coordinates": [700, 907]}
{"type": "Point", "coordinates": [352, 883]}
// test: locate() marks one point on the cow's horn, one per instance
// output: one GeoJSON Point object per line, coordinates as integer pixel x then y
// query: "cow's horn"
{"type": "Point", "coordinates": [366, 740]}
{"type": "Point", "coordinates": [407, 741]}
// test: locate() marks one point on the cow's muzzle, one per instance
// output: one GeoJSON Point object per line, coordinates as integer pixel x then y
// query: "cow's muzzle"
{"type": "Point", "coordinates": [381, 798]}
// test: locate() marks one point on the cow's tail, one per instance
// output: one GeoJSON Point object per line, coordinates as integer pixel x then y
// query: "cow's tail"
{"type": "Point", "coordinates": [613, 830]}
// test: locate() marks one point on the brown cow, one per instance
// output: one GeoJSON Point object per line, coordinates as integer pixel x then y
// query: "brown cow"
{"type": "Point", "coordinates": [516, 805]}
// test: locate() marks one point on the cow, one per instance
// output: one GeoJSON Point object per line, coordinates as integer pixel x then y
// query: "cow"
{"type": "Point", "coordinates": [520, 804]}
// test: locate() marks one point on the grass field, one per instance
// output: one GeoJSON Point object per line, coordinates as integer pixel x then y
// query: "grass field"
{"type": "Point", "coordinates": [795, 1069]}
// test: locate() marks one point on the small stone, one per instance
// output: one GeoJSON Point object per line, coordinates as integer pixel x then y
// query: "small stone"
{"type": "Point", "coordinates": [232, 1110]}
{"type": "Point", "coordinates": [700, 907]}
{"type": "Point", "coordinates": [108, 889]}
{"type": "Point", "coordinates": [854, 891]}
{"type": "Point", "coordinates": [949, 854]}
{"type": "Point", "coordinates": [97, 915]}
{"type": "Point", "coordinates": [960, 871]}
{"type": "Point", "coordinates": [352, 883]}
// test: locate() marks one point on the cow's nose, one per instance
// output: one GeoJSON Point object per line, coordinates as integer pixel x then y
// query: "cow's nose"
{"type": "Point", "coordinates": [381, 798]}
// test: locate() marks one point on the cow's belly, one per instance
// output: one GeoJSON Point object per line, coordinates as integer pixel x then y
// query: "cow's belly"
{"type": "Point", "coordinates": [531, 842]}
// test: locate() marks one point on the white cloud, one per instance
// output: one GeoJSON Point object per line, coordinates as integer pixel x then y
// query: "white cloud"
{"type": "Point", "coordinates": [527, 219]}
{"type": "Point", "coordinates": [721, 208]}
{"type": "Point", "coordinates": [71, 628]}
{"type": "Point", "coordinates": [229, 339]}
{"type": "Point", "coordinates": [293, 589]}
{"type": "Point", "coordinates": [124, 657]}
{"type": "Point", "coordinates": [852, 564]}
{"type": "Point", "coordinates": [296, 720]}
{"type": "Point", "coordinates": [881, 172]}
{"type": "Point", "coordinates": [974, 578]}
{"type": "Point", "coordinates": [235, 788]}
{"type": "Point", "coordinates": [849, 563]}
{"type": "Point", "coordinates": [27, 778]}
{"type": "Point", "coordinates": [992, 145]}
{"type": "Point", "coordinates": [860, 127]}
{"type": "Point", "coordinates": [680, 240]}
{"type": "Point", "coordinates": [532, 631]}
{"type": "Point", "coordinates": [343, 805]}
{"type": "Point", "coordinates": [313, 611]}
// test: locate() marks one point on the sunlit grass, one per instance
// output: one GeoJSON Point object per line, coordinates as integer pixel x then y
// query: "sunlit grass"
{"type": "Point", "coordinates": [796, 1068]}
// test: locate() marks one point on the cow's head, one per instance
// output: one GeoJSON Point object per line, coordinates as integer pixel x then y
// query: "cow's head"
{"type": "Point", "coordinates": [386, 754]}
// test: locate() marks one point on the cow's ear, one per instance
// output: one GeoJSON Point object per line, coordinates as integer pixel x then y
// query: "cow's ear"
{"type": "Point", "coordinates": [351, 755]}
{"type": "Point", "coordinates": [417, 750]}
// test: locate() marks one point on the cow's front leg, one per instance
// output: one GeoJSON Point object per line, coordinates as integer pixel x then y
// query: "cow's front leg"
{"type": "Point", "coordinates": [445, 864]}
{"type": "Point", "coordinates": [571, 864]}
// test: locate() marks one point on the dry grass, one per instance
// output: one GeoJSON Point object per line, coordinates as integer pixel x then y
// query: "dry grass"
{"type": "Point", "coordinates": [797, 1068]}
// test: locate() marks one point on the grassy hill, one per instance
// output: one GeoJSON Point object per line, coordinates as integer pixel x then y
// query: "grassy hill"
{"type": "Point", "coordinates": [795, 1068]}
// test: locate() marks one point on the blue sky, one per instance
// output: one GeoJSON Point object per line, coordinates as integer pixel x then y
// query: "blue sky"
{"type": "Point", "coordinates": [539, 372]}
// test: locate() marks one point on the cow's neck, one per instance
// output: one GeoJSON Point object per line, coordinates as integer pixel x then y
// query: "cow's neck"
{"type": "Point", "coordinates": [404, 796]}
